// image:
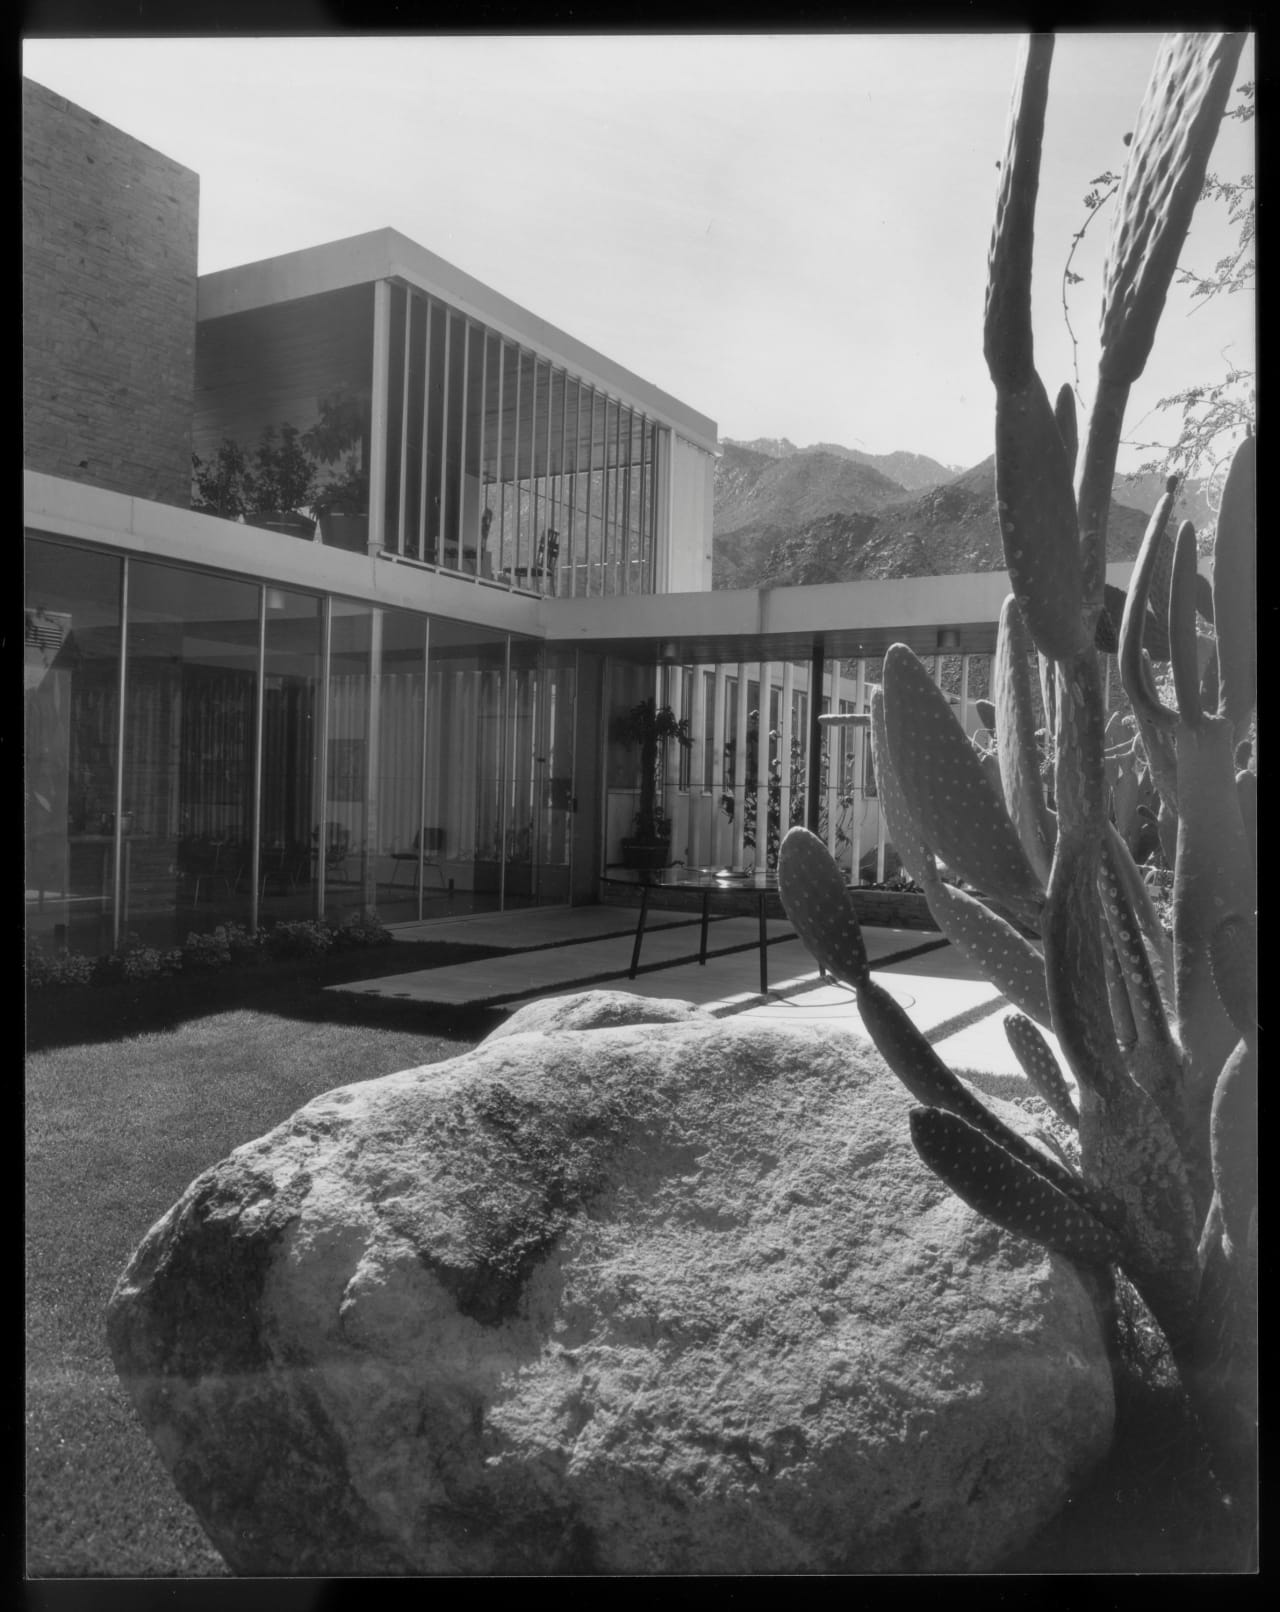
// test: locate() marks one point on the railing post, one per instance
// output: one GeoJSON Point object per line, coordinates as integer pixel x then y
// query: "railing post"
{"type": "Point", "coordinates": [812, 807]}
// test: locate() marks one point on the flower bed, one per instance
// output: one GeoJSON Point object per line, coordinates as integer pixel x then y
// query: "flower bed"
{"type": "Point", "coordinates": [205, 953]}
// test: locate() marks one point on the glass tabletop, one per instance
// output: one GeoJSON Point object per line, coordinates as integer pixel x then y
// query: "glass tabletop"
{"type": "Point", "coordinates": [682, 878]}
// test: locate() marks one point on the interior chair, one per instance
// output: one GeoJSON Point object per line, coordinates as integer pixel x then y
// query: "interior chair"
{"type": "Point", "coordinates": [336, 848]}
{"type": "Point", "coordinates": [546, 563]}
{"type": "Point", "coordinates": [430, 841]}
{"type": "Point", "coordinates": [201, 867]}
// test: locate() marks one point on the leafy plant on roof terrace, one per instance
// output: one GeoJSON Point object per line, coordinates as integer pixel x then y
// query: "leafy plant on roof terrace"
{"type": "Point", "coordinates": [1160, 1036]}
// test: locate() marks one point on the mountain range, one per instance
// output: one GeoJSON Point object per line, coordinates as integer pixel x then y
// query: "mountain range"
{"type": "Point", "coordinates": [786, 516]}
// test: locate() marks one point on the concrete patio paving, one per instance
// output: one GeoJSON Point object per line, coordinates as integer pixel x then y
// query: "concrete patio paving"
{"type": "Point", "coordinates": [562, 950]}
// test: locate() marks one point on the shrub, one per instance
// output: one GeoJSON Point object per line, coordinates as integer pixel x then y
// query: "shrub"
{"type": "Point", "coordinates": [207, 952]}
{"type": "Point", "coordinates": [303, 937]}
{"type": "Point", "coordinates": [66, 969]}
{"type": "Point", "coordinates": [132, 961]}
{"type": "Point", "coordinates": [360, 929]}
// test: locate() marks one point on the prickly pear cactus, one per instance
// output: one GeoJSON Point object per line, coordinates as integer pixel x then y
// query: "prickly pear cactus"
{"type": "Point", "coordinates": [1161, 1042]}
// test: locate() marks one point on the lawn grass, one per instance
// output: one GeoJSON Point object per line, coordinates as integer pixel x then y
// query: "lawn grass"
{"type": "Point", "coordinates": [119, 1121]}
{"type": "Point", "coordinates": [132, 1091]}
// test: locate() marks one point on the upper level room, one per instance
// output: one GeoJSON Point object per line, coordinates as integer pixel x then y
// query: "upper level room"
{"type": "Point", "coordinates": [443, 424]}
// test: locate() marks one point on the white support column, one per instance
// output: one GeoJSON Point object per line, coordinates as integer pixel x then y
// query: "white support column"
{"type": "Point", "coordinates": [740, 770]}
{"type": "Point", "coordinates": [378, 416]}
{"type": "Point", "coordinates": [857, 741]}
{"type": "Point", "coordinates": [785, 740]}
{"type": "Point", "coordinates": [762, 766]}
{"type": "Point", "coordinates": [573, 485]}
{"type": "Point", "coordinates": [964, 691]}
{"type": "Point", "coordinates": [498, 470]}
{"type": "Point", "coordinates": [832, 681]}
{"type": "Point", "coordinates": [646, 547]}
{"type": "Point", "coordinates": [444, 437]}
{"type": "Point", "coordinates": [482, 501]}
{"type": "Point", "coordinates": [426, 418]}
{"type": "Point", "coordinates": [462, 441]}
{"type": "Point", "coordinates": [591, 476]}
{"type": "Point", "coordinates": [373, 776]}
{"type": "Point", "coordinates": [515, 467]}
{"type": "Point", "coordinates": [718, 786]}
{"type": "Point", "coordinates": [402, 491]}
{"type": "Point", "coordinates": [697, 763]}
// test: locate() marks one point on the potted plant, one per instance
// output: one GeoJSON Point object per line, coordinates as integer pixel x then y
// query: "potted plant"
{"type": "Point", "coordinates": [649, 725]}
{"type": "Point", "coordinates": [270, 491]}
{"type": "Point", "coordinates": [339, 440]}
{"type": "Point", "coordinates": [282, 482]}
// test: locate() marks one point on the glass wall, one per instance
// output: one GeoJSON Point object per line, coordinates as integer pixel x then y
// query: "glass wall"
{"type": "Point", "coordinates": [284, 755]}
{"type": "Point", "coordinates": [464, 811]}
{"type": "Point", "coordinates": [539, 772]}
{"type": "Point", "coordinates": [189, 747]}
{"type": "Point", "coordinates": [71, 692]}
{"type": "Point", "coordinates": [503, 465]}
{"type": "Point", "coordinates": [292, 694]}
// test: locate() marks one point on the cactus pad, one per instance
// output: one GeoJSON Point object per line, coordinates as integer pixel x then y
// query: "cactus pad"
{"type": "Point", "coordinates": [817, 901]}
{"type": "Point", "coordinates": [946, 792]}
{"type": "Point", "coordinates": [1006, 1191]}
{"type": "Point", "coordinates": [1235, 589]}
{"type": "Point", "coordinates": [1177, 125]}
{"type": "Point", "coordinates": [1041, 1067]}
{"type": "Point", "coordinates": [1018, 752]}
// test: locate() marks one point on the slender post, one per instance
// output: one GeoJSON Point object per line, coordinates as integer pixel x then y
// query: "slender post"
{"type": "Point", "coordinates": [444, 436]}
{"type": "Point", "coordinates": [740, 768]}
{"type": "Point", "coordinates": [532, 558]}
{"type": "Point", "coordinates": [422, 771]}
{"type": "Point", "coordinates": [762, 767]}
{"type": "Point", "coordinates": [502, 486]}
{"type": "Point", "coordinates": [720, 703]}
{"type": "Point", "coordinates": [857, 741]}
{"type": "Point", "coordinates": [591, 475]}
{"type": "Point", "coordinates": [833, 761]}
{"type": "Point", "coordinates": [255, 832]}
{"type": "Point", "coordinates": [482, 498]}
{"type": "Point", "coordinates": [515, 468]}
{"type": "Point", "coordinates": [378, 415]}
{"type": "Point", "coordinates": [373, 768]}
{"type": "Point", "coordinates": [118, 880]}
{"type": "Point", "coordinates": [326, 653]}
{"type": "Point", "coordinates": [573, 487]}
{"type": "Point", "coordinates": [402, 495]}
{"type": "Point", "coordinates": [619, 539]}
{"type": "Point", "coordinates": [812, 807]}
{"type": "Point", "coordinates": [462, 441]}
{"type": "Point", "coordinates": [423, 496]}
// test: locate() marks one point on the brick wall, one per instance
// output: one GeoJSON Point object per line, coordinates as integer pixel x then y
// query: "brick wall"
{"type": "Point", "coordinates": [109, 294]}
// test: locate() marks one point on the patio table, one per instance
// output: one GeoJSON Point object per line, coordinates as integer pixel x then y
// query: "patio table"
{"type": "Point", "coordinates": [708, 883]}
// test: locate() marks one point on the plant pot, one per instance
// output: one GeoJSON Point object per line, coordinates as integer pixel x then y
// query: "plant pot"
{"type": "Point", "coordinates": [349, 532]}
{"type": "Point", "coordinates": [646, 855]}
{"type": "Point", "coordinates": [893, 909]}
{"type": "Point", "coordinates": [284, 520]}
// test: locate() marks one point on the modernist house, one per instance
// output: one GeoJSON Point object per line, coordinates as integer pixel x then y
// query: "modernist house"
{"type": "Point", "coordinates": [399, 695]}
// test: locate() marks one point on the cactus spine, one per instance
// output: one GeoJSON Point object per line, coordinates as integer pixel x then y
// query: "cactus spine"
{"type": "Point", "coordinates": [1163, 1050]}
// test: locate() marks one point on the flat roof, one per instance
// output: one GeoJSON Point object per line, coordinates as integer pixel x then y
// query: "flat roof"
{"type": "Point", "coordinates": [844, 619]}
{"type": "Point", "coordinates": [386, 254]}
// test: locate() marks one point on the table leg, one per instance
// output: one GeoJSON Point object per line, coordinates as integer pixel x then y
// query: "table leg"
{"type": "Point", "coordinates": [764, 955]}
{"type": "Point", "coordinates": [635, 950]}
{"type": "Point", "coordinates": [706, 904]}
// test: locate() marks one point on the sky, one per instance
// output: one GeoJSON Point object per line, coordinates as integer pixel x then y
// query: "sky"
{"type": "Point", "coordinates": [787, 232]}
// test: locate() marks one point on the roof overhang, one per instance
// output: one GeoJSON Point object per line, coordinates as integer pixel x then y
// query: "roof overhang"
{"type": "Point", "coordinates": [842, 619]}
{"type": "Point", "coordinates": [385, 254]}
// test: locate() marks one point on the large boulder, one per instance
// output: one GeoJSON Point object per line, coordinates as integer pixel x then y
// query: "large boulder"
{"type": "Point", "coordinates": [659, 1298]}
{"type": "Point", "coordinates": [596, 1010]}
